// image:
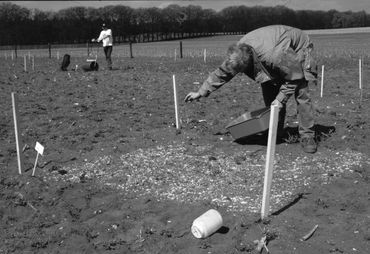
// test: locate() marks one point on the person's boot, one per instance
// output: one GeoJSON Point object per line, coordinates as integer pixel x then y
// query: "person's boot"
{"type": "Point", "coordinates": [309, 144]}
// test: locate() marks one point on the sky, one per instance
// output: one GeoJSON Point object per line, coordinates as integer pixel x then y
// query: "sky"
{"type": "Point", "coordinates": [324, 5]}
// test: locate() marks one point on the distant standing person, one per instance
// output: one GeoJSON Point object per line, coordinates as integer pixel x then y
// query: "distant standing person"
{"type": "Point", "coordinates": [107, 38]}
{"type": "Point", "coordinates": [279, 58]}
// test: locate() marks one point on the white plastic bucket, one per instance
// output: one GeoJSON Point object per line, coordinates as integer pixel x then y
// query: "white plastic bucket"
{"type": "Point", "coordinates": [206, 224]}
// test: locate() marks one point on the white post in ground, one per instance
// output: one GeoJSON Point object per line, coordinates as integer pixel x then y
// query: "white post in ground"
{"type": "Point", "coordinates": [25, 63]}
{"type": "Point", "coordinates": [176, 103]}
{"type": "Point", "coordinates": [274, 117]}
{"type": "Point", "coordinates": [322, 80]}
{"type": "Point", "coordinates": [58, 55]}
{"type": "Point", "coordinates": [17, 133]}
{"type": "Point", "coordinates": [205, 55]}
{"type": "Point", "coordinates": [360, 78]}
{"type": "Point", "coordinates": [33, 62]}
{"type": "Point", "coordinates": [360, 73]}
{"type": "Point", "coordinates": [175, 55]}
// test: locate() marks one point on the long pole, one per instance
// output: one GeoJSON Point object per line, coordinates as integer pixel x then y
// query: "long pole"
{"type": "Point", "coordinates": [176, 103]}
{"type": "Point", "coordinates": [322, 80]}
{"type": "Point", "coordinates": [360, 73]}
{"type": "Point", "coordinates": [360, 78]}
{"type": "Point", "coordinates": [16, 129]}
{"type": "Point", "coordinates": [274, 114]}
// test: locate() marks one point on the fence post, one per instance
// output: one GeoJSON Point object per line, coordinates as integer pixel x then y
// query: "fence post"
{"type": "Point", "coordinates": [180, 49]}
{"type": "Point", "coordinates": [49, 50]}
{"type": "Point", "coordinates": [131, 56]}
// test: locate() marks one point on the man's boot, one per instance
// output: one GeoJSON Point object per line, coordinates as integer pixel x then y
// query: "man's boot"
{"type": "Point", "coordinates": [309, 144]}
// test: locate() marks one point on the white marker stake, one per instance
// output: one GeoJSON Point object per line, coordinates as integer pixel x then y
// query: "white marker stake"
{"type": "Point", "coordinates": [274, 114]}
{"type": "Point", "coordinates": [175, 55]}
{"type": "Point", "coordinates": [16, 129]}
{"type": "Point", "coordinates": [40, 150]}
{"type": "Point", "coordinates": [25, 63]}
{"type": "Point", "coordinates": [205, 55]}
{"type": "Point", "coordinates": [33, 63]}
{"type": "Point", "coordinates": [360, 73]}
{"type": "Point", "coordinates": [29, 56]}
{"type": "Point", "coordinates": [58, 55]}
{"type": "Point", "coordinates": [360, 78]}
{"type": "Point", "coordinates": [322, 80]}
{"type": "Point", "coordinates": [176, 104]}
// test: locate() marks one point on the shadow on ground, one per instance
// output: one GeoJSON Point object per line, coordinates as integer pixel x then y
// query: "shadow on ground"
{"type": "Point", "coordinates": [290, 135]}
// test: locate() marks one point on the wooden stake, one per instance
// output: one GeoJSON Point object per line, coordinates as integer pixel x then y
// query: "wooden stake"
{"type": "Point", "coordinates": [360, 73]}
{"type": "Point", "coordinates": [176, 103]}
{"type": "Point", "coordinates": [58, 55]}
{"type": "Point", "coordinates": [131, 55]}
{"type": "Point", "coordinates": [322, 81]}
{"type": "Point", "coordinates": [180, 49]}
{"type": "Point", "coordinates": [205, 55]}
{"type": "Point", "coordinates": [360, 79]}
{"type": "Point", "coordinates": [17, 133]}
{"type": "Point", "coordinates": [34, 167]}
{"type": "Point", "coordinates": [25, 63]}
{"type": "Point", "coordinates": [175, 54]}
{"type": "Point", "coordinates": [33, 63]}
{"type": "Point", "coordinates": [274, 115]}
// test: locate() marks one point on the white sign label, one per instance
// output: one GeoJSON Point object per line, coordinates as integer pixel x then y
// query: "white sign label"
{"type": "Point", "coordinates": [39, 148]}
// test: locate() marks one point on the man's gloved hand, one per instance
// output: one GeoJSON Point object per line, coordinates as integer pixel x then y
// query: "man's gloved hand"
{"type": "Point", "coordinates": [192, 96]}
{"type": "Point", "coordinates": [277, 103]}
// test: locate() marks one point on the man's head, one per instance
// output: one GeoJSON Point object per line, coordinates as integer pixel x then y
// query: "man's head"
{"type": "Point", "coordinates": [240, 58]}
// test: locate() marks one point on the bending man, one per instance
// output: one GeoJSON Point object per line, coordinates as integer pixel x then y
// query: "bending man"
{"type": "Point", "coordinates": [278, 57]}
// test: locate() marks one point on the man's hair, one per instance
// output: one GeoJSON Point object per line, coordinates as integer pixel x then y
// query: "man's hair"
{"type": "Point", "coordinates": [240, 57]}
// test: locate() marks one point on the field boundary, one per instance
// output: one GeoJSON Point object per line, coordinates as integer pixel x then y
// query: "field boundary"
{"type": "Point", "coordinates": [340, 30]}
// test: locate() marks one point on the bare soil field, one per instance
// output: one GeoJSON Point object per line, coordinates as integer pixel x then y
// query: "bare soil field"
{"type": "Point", "coordinates": [116, 175]}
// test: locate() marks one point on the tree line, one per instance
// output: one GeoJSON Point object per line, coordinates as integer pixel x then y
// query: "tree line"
{"type": "Point", "coordinates": [23, 26]}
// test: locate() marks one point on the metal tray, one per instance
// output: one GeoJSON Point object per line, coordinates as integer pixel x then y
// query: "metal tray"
{"type": "Point", "coordinates": [250, 123]}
